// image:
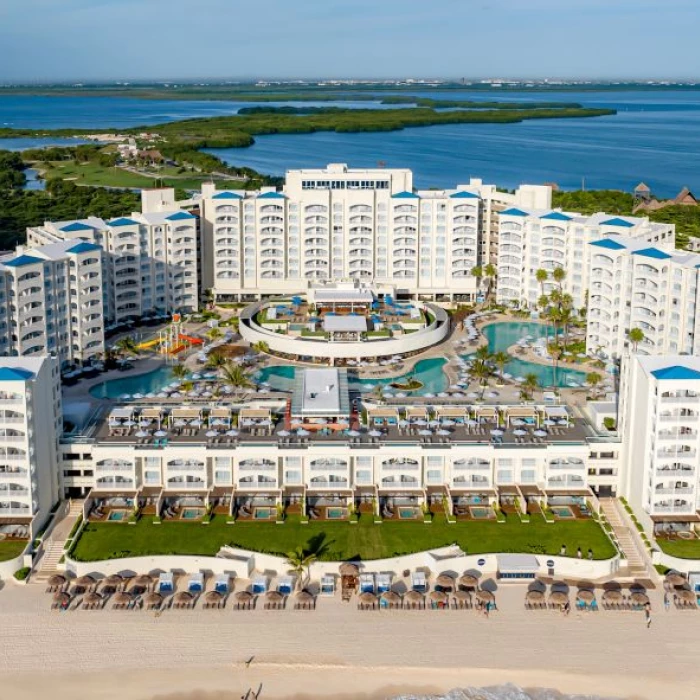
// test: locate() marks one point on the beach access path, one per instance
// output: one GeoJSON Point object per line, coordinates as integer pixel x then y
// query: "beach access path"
{"type": "Point", "coordinates": [338, 650]}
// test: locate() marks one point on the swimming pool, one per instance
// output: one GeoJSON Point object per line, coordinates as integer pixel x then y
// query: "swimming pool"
{"type": "Point", "coordinates": [192, 513]}
{"type": "Point", "coordinates": [407, 513]}
{"type": "Point", "coordinates": [263, 513]}
{"type": "Point", "coordinates": [501, 336]}
{"type": "Point", "coordinates": [335, 513]}
{"type": "Point", "coordinates": [480, 512]}
{"type": "Point", "coordinates": [148, 383]}
{"type": "Point", "coordinates": [116, 516]}
{"type": "Point", "coordinates": [562, 511]}
{"type": "Point", "coordinates": [429, 372]}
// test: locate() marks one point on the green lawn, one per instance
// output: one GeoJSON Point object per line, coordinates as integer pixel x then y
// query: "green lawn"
{"type": "Point", "coordinates": [9, 549]}
{"type": "Point", "coordinates": [340, 540]}
{"type": "Point", "coordinates": [683, 549]}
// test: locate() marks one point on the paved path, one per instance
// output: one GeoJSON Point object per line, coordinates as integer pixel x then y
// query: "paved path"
{"type": "Point", "coordinates": [637, 562]}
{"type": "Point", "coordinates": [52, 549]}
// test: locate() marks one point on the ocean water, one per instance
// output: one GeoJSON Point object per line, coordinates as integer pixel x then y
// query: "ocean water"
{"type": "Point", "coordinates": [503, 692]}
{"type": "Point", "coordinates": [655, 137]}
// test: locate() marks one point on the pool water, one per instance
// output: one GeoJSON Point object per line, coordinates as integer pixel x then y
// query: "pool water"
{"type": "Point", "coordinates": [407, 513]}
{"type": "Point", "coordinates": [116, 515]}
{"type": "Point", "coordinates": [562, 511]}
{"type": "Point", "coordinates": [150, 382]}
{"type": "Point", "coordinates": [263, 513]}
{"type": "Point", "coordinates": [334, 513]}
{"type": "Point", "coordinates": [501, 336]}
{"type": "Point", "coordinates": [191, 513]}
{"type": "Point", "coordinates": [480, 513]}
{"type": "Point", "coordinates": [428, 372]}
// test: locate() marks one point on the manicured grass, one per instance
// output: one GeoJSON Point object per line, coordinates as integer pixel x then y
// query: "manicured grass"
{"type": "Point", "coordinates": [9, 549]}
{"type": "Point", "coordinates": [683, 549]}
{"type": "Point", "coordinates": [339, 540]}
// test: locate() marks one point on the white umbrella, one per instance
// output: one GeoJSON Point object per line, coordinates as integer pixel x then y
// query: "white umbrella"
{"type": "Point", "coordinates": [179, 423]}
{"type": "Point", "coordinates": [520, 432]}
{"type": "Point", "coordinates": [425, 432]}
{"type": "Point", "coordinates": [160, 433]}
{"type": "Point", "coordinates": [472, 395]}
{"type": "Point", "coordinates": [549, 422]}
{"type": "Point", "coordinates": [143, 423]}
{"type": "Point", "coordinates": [196, 423]}
{"type": "Point", "coordinates": [492, 394]}
{"type": "Point", "coordinates": [232, 433]}
{"type": "Point", "coordinates": [517, 421]}
{"type": "Point", "coordinates": [388, 395]}
{"type": "Point", "coordinates": [375, 433]}
{"type": "Point", "coordinates": [302, 433]}
{"type": "Point", "coordinates": [471, 422]}
{"type": "Point", "coordinates": [520, 379]}
{"type": "Point", "coordinates": [129, 423]}
{"type": "Point", "coordinates": [563, 421]}
{"type": "Point", "coordinates": [403, 423]}
{"type": "Point", "coordinates": [448, 422]}
{"type": "Point", "coordinates": [540, 433]}
{"type": "Point", "coordinates": [420, 421]}
{"type": "Point", "coordinates": [211, 433]}
{"type": "Point", "coordinates": [125, 397]}
{"type": "Point", "coordinates": [353, 433]}
{"type": "Point", "coordinates": [429, 396]}
{"type": "Point", "coordinates": [442, 395]}
{"type": "Point", "coordinates": [401, 395]}
{"type": "Point", "coordinates": [443, 432]}
{"type": "Point", "coordinates": [497, 432]}
{"type": "Point", "coordinates": [283, 433]}
{"type": "Point", "coordinates": [142, 434]}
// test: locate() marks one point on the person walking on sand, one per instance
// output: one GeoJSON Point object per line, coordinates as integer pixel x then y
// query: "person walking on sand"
{"type": "Point", "coordinates": [647, 614]}
{"type": "Point", "coordinates": [667, 602]}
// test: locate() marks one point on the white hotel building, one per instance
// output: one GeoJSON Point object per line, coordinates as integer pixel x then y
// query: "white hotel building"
{"type": "Point", "coordinates": [635, 285]}
{"type": "Point", "coordinates": [533, 239]}
{"type": "Point", "coordinates": [344, 223]}
{"type": "Point", "coordinates": [660, 414]}
{"type": "Point", "coordinates": [30, 425]}
{"type": "Point", "coordinates": [150, 261]}
{"type": "Point", "coordinates": [51, 302]}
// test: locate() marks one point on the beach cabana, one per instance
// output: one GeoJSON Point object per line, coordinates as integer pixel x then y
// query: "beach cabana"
{"type": "Point", "coordinates": [415, 414]}
{"type": "Point", "coordinates": [327, 586]}
{"type": "Point", "coordinates": [259, 585]}
{"type": "Point", "coordinates": [457, 414]}
{"type": "Point", "coordinates": [367, 583]}
{"type": "Point", "coordinates": [121, 420]}
{"type": "Point", "coordinates": [213, 599]}
{"type": "Point", "coordinates": [254, 419]}
{"type": "Point", "coordinates": [221, 584]}
{"type": "Point", "coordinates": [274, 600]}
{"type": "Point", "coordinates": [556, 413]}
{"type": "Point", "coordinates": [166, 583]}
{"type": "Point", "coordinates": [517, 566]}
{"type": "Point", "coordinates": [414, 600]}
{"type": "Point", "coordinates": [285, 585]}
{"type": "Point", "coordinates": [419, 581]}
{"type": "Point", "coordinates": [304, 600]}
{"type": "Point", "coordinates": [196, 583]}
{"type": "Point", "coordinates": [383, 583]}
{"type": "Point", "coordinates": [152, 414]}
{"type": "Point", "coordinates": [383, 415]}
{"type": "Point", "coordinates": [486, 414]}
{"type": "Point", "coordinates": [244, 600]}
{"type": "Point", "coordinates": [220, 417]}
{"type": "Point", "coordinates": [527, 414]}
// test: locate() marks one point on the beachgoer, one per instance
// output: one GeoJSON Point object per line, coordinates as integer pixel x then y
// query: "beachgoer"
{"type": "Point", "coordinates": [667, 602]}
{"type": "Point", "coordinates": [578, 553]}
{"type": "Point", "coordinates": [590, 553]}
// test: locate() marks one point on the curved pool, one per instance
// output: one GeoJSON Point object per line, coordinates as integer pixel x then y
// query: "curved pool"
{"type": "Point", "coordinates": [148, 382]}
{"type": "Point", "coordinates": [501, 336]}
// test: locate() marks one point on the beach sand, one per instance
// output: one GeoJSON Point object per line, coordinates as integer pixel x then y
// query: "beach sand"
{"type": "Point", "coordinates": [338, 651]}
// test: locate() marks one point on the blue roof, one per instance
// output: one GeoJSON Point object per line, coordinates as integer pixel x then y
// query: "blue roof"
{"type": "Point", "coordinates": [76, 226]}
{"type": "Point", "coordinates": [83, 247]}
{"type": "Point", "coordinates": [556, 216]}
{"type": "Point", "coordinates": [608, 243]}
{"type": "Point", "coordinates": [180, 215]}
{"type": "Point", "coordinates": [227, 195]}
{"type": "Point", "coordinates": [514, 212]}
{"type": "Point", "coordinates": [405, 195]}
{"type": "Point", "coordinates": [272, 195]}
{"type": "Point", "coordinates": [463, 194]}
{"type": "Point", "coordinates": [616, 221]}
{"type": "Point", "coordinates": [23, 260]}
{"type": "Point", "coordinates": [652, 253]}
{"type": "Point", "coordinates": [9, 374]}
{"type": "Point", "coordinates": [676, 372]}
{"type": "Point", "coordinates": [123, 222]}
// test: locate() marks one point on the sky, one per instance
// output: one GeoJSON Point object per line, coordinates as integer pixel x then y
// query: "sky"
{"type": "Point", "coordinates": [92, 40]}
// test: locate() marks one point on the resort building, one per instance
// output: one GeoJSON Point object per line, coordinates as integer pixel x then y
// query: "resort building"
{"type": "Point", "coordinates": [150, 260]}
{"type": "Point", "coordinates": [342, 223]}
{"type": "Point", "coordinates": [659, 412]}
{"type": "Point", "coordinates": [534, 239]}
{"type": "Point", "coordinates": [316, 451]}
{"type": "Point", "coordinates": [51, 302]}
{"type": "Point", "coordinates": [30, 426]}
{"type": "Point", "coordinates": [653, 289]}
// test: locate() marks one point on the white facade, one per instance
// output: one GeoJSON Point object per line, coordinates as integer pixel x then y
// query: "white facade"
{"type": "Point", "coordinates": [343, 223]}
{"type": "Point", "coordinates": [634, 285]}
{"type": "Point", "coordinates": [660, 414]}
{"type": "Point", "coordinates": [533, 239]}
{"type": "Point", "coordinates": [150, 261]}
{"type": "Point", "coordinates": [51, 302]}
{"type": "Point", "coordinates": [30, 426]}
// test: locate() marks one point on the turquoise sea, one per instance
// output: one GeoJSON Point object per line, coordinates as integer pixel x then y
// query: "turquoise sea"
{"type": "Point", "coordinates": [655, 137]}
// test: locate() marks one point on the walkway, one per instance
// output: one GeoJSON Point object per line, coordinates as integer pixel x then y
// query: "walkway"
{"type": "Point", "coordinates": [636, 562]}
{"type": "Point", "coordinates": [52, 548]}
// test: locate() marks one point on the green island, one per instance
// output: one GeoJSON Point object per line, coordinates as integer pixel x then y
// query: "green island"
{"type": "Point", "coordinates": [410, 385]}
{"type": "Point", "coordinates": [365, 540]}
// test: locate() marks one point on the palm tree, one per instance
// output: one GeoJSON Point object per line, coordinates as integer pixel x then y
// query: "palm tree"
{"type": "Point", "coordinates": [636, 336]}
{"type": "Point", "coordinates": [477, 272]}
{"type": "Point", "coordinates": [559, 274]}
{"type": "Point", "coordinates": [480, 371]}
{"type": "Point", "coordinates": [593, 379]}
{"type": "Point", "coordinates": [530, 385]}
{"type": "Point", "coordinates": [261, 346]}
{"type": "Point", "coordinates": [215, 360]}
{"type": "Point", "coordinates": [541, 276]}
{"type": "Point", "coordinates": [299, 561]}
{"type": "Point", "coordinates": [483, 353]}
{"type": "Point", "coordinates": [501, 359]}
{"type": "Point", "coordinates": [214, 334]}
{"type": "Point", "coordinates": [127, 346]}
{"type": "Point", "coordinates": [234, 375]}
{"type": "Point", "coordinates": [180, 371]}
{"type": "Point", "coordinates": [489, 274]}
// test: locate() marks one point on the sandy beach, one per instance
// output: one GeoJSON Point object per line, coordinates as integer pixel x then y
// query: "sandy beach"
{"type": "Point", "coordinates": [338, 651]}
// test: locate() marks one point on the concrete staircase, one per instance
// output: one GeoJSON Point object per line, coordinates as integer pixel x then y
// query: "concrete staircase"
{"type": "Point", "coordinates": [52, 551]}
{"type": "Point", "coordinates": [636, 562]}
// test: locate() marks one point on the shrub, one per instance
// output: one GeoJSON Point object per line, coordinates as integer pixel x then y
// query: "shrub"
{"type": "Point", "coordinates": [21, 574]}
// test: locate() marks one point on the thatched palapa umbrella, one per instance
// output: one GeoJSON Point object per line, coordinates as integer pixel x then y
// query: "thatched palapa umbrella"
{"type": "Point", "coordinates": [437, 596]}
{"type": "Point", "coordinates": [61, 598]}
{"type": "Point", "coordinates": [56, 581]}
{"type": "Point", "coordinates": [639, 598]}
{"type": "Point", "coordinates": [675, 579]}
{"type": "Point", "coordinates": [91, 599]}
{"type": "Point", "coordinates": [391, 598]}
{"type": "Point", "coordinates": [153, 600]}
{"type": "Point", "coordinates": [213, 597]}
{"type": "Point", "coordinates": [414, 598]}
{"type": "Point", "coordinates": [534, 596]}
{"type": "Point", "coordinates": [462, 596]}
{"type": "Point", "coordinates": [586, 596]}
{"type": "Point", "coordinates": [84, 581]}
{"type": "Point", "coordinates": [142, 581]}
{"type": "Point", "coordinates": [367, 598]}
{"type": "Point", "coordinates": [349, 569]}
{"type": "Point", "coordinates": [685, 595]}
{"type": "Point", "coordinates": [182, 598]}
{"type": "Point", "coordinates": [304, 598]}
{"type": "Point", "coordinates": [243, 596]}
{"type": "Point", "coordinates": [558, 598]}
{"type": "Point", "coordinates": [445, 581]}
{"type": "Point", "coordinates": [484, 596]}
{"type": "Point", "coordinates": [121, 598]}
{"type": "Point", "coordinates": [468, 581]}
{"type": "Point", "coordinates": [612, 596]}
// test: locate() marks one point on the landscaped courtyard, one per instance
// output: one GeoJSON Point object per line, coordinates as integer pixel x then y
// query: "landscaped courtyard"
{"type": "Point", "coordinates": [340, 541]}
{"type": "Point", "coordinates": [11, 548]}
{"type": "Point", "coordinates": [683, 549]}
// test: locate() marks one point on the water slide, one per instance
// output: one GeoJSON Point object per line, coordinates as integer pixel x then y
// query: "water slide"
{"type": "Point", "coordinates": [148, 344]}
{"type": "Point", "coordinates": [191, 339]}
{"type": "Point", "coordinates": [175, 350]}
